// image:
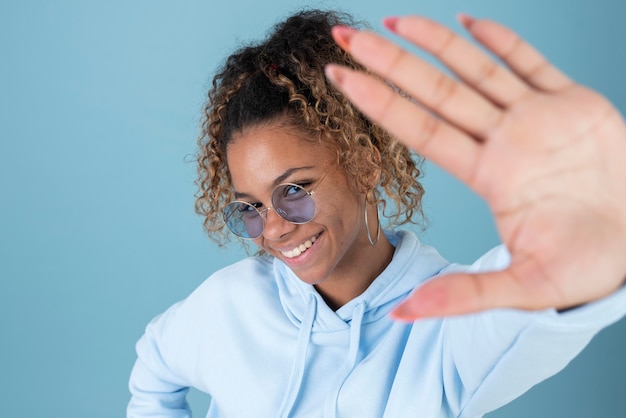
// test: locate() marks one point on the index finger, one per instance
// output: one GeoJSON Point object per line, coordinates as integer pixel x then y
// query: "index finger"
{"type": "Point", "coordinates": [455, 101]}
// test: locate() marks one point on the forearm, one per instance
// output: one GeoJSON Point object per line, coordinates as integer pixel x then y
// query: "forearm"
{"type": "Point", "coordinates": [498, 357]}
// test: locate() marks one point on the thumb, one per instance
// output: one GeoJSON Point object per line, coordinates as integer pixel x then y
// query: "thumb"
{"type": "Point", "coordinates": [463, 293]}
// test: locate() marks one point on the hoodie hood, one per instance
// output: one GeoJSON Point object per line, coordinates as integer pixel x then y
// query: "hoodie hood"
{"type": "Point", "coordinates": [306, 309]}
{"type": "Point", "coordinates": [385, 292]}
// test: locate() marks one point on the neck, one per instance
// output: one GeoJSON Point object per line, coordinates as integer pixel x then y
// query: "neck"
{"type": "Point", "coordinates": [368, 265]}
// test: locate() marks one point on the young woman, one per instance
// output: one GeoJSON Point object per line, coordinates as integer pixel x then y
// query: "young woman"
{"type": "Point", "coordinates": [306, 328]}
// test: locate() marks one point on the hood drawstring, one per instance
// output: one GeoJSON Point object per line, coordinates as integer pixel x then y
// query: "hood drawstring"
{"type": "Point", "coordinates": [330, 410]}
{"type": "Point", "coordinates": [297, 372]}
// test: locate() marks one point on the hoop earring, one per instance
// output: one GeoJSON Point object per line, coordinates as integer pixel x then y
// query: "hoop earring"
{"type": "Point", "coordinates": [367, 226]}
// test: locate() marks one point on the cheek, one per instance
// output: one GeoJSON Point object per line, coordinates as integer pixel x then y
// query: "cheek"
{"type": "Point", "coordinates": [345, 213]}
{"type": "Point", "coordinates": [341, 197]}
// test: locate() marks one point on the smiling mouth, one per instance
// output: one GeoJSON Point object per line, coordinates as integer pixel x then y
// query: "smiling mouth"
{"type": "Point", "coordinates": [300, 248]}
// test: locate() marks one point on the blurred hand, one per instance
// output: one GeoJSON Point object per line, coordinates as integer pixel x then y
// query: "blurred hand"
{"type": "Point", "coordinates": [548, 156]}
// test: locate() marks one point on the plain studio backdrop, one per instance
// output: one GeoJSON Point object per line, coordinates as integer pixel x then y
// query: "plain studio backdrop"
{"type": "Point", "coordinates": [99, 110]}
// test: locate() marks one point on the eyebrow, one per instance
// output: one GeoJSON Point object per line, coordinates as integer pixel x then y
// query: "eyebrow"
{"type": "Point", "coordinates": [278, 180]}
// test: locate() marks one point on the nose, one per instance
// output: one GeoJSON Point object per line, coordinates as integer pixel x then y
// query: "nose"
{"type": "Point", "coordinates": [275, 226]}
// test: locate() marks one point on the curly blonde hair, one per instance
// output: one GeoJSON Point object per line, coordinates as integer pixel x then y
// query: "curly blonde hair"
{"type": "Point", "coordinates": [281, 79]}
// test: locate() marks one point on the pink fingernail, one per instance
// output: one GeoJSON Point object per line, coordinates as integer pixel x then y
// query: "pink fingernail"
{"type": "Point", "coordinates": [343, 35]}
{"type": "Point", "coordinates": [405, 311]}
{"type": "Point", "coordinates": [334, 74]}
{"type": "Point", "coordinates": [391, 23]}
{"type": "Point", "coordinates": [402, 314]}
{"type": "Point", "coordinates": [466, 20]}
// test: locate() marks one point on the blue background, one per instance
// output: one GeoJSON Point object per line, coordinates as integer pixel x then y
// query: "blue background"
{"type": "Point", "coordinates": [99, 110]}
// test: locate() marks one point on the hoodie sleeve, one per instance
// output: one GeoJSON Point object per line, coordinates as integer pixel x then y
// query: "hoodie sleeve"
{"type": "Point", "coordinates": [156, 389]}
{"type": "Point", "coordinates": [497, 355]}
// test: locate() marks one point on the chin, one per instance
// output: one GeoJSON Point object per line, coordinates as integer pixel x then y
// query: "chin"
{"type": "Point", "coordinates": [311, 277]}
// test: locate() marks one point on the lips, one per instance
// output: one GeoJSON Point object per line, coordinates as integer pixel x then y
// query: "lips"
{"type": "Point", "coordinates": [295, 252]}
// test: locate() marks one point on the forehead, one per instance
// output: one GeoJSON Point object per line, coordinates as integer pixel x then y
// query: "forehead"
{"type": "Point", "coordinates": [261, 154]}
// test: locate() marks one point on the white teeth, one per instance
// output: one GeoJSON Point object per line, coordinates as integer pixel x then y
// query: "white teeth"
{"type": "Point", "coordinates": [299, 249]}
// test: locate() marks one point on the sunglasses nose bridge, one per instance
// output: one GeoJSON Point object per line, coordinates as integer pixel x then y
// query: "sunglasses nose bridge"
{"type": "Point", "coordinates": [296, 211]}
{"type": "Point", "coordinates": [276, 225]}
{"type": "Point", "coordinates": [263, 212]}
{"type": "Point", "coordinates": [282, 213]}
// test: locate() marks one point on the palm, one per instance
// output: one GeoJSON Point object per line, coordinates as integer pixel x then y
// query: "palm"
{"type": "Point", "coordinates": [544, 172]}
{"type": "Point", "coordinates": [546, 154]}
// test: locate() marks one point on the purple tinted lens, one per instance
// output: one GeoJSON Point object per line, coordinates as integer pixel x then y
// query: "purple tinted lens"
{"type": "Point", "coordinates": [254, 225]}
{"type": "Point", "coordinates": [243, 220]}
{"type": "Point", "coordinates": [293, 203]}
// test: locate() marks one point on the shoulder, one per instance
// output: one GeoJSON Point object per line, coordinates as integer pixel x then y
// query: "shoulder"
{"type": "Point", "coordinates": [249, 275]}
{"type": "Point", "coordinates": [411, 254]}
{"type": "Point", "coordinates": [250, 268]}
{"type": "Point", "coordinates": [228, 290]}
{"type": "Point", "coordinates": [497, 258]}
{"type": "Point", "coordinates": [225, 288]}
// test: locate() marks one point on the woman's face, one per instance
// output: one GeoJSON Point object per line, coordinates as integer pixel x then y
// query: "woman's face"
{"type": "Point", "coordinates": [334, 240]}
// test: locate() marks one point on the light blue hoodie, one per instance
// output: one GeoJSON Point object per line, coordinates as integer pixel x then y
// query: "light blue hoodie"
{"type": "Point", "coordinates": [264, 344]}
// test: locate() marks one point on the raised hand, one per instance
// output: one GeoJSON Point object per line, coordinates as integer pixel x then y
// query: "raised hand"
{"type": "Point", "coordinates": [548, 156]}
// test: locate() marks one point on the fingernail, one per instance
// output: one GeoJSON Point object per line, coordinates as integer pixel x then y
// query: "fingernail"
{"type": "Point", "coordinates": [404, 313]}
{"type": "Point", "coordinates": [391, 23]}
{"type": "Point", "coordinates": [334, 74]}
{"type": "Point", "coordinates": [343, 35]}
{"type": "Point", "coordinates": [466, 20]}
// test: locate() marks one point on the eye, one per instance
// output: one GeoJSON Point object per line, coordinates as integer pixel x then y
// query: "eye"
{"type": "Point", "coordinates": [295, 191]}
{"type": "Point", "coordinates": [247, 208]}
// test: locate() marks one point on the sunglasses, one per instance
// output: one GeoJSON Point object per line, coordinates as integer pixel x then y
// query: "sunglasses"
{"type": "Point", "coordinates": [290, 201]}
